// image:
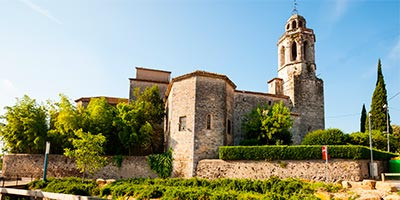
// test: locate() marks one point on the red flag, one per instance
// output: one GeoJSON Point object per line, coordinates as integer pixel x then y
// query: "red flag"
{"type": "Point", "coordinates": [325, 155]}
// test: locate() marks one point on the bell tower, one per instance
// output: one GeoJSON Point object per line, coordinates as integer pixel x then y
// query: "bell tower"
{"type": "Point", "coordinates": [297, 69]}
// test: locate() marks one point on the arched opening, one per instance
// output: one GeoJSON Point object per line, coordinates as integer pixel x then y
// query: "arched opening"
{"type": "Point", "coordinates": [287, 27]}
{"type": "Point", "coordinates": [300, 24]}
{"type": "Point", "coordinates": [208, 122]}
{"type": "Point", "coordinates": [294, 24]}
{"type": "Point", "coordinates": [305, 47]}
{"type": "Point", "coordinates": [282, 56]}
{"type": "Point", "coordinates": [294, 51]}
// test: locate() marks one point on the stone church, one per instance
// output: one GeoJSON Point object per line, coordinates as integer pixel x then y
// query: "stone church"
{"type": "Point", "coordinates": [204, 110]}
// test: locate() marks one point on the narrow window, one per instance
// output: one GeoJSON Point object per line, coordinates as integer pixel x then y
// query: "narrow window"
{"type": "Point", "coordinates": [208, 121]}
{"type": "Point", "coordinates": [282, 54]}
{"type": "Point", "coordinates": [300, 24]}
{"type": "Point", "coordinates": [294, 51]}
{"type": "Point", "coordinates": [229, 127]}
{"type": "Point", "coordinates": [287, 27]}
{"type": "Point", "coordinates": [269, 102]}
{"type": "Point", "coordinates": [182, 123]}
{"type": "Point", "coordinates": [305, 50]}
{"type": "Point", "coordinates": [294, 24]}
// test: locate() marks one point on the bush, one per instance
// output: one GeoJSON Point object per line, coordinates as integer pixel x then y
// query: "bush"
{"type": "Point", "coordinates": [300, 152]}
{"type": "Point", "coordinates": [70, 185]}
{"type": "Point", "coordinates": [332, 136]}
{"type": "Point", "coordinates": [194, 188]}
{"type": "Point", "coordinates": [379, 140]}
{"type": "Point", "coordinates": [161, 163]}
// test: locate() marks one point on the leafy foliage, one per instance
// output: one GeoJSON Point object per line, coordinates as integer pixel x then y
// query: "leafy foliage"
{"type": "Point", "coordinates": [379, 140]}
{"type": "Point", "coordinates": [87, 151]}
{"type": "Point", "coordinates": [194, 188]}
{"type": "Point", "coordinates": [363, 118]}
{"type": "Point", "coordinates": [300, 152]}
{"type": "Point", "coordinates": [69, 185]}
{"type": "Point", "coordinates": [26, 128]}
{"type": "Point", "coordinates": [269, 125]}
{"type": "Point", "coordinates": [379, 99]}
{"type": "Point", "coordinates": [138, 123]}
{"type": "Point", "coordinates": [332, 136]}
{"type": "Point", "coordinates": [129, 129]}
{"type": "Point", "coordinates": [161, 163]}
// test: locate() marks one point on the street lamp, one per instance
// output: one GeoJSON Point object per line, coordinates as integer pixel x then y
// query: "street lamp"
{"type": "Point", "coordinates": [387, 125]}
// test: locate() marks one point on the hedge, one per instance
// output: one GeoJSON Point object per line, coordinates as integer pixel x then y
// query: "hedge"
{"type": "Point", "coordinates": [299, 152]}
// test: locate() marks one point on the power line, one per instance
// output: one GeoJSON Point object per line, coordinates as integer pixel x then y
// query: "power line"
{"type": "Point", "coordinates": [346, 115]}
{"type": "Point", "coordinates": [393, 96]}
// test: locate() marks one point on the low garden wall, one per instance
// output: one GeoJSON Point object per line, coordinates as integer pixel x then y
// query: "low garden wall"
{"type": "Point", "coordinates": [31, 165]}
{"type": "Point", "coordinates": [339, 169]}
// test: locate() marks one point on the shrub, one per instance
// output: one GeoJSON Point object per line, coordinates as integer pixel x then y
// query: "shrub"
{"type": "Point", "coordinates": [332, 136]}
{"type": "Point", "coordinates": [300, 152]}
{"type": "Point", "coordinates": [379, 140]}
{"type": "Point", "coordinates": [71, 185]}
{"type": "Point", "coordinates": [161, 163]}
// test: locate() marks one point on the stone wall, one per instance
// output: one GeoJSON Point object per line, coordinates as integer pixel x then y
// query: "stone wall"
{"type": "Point", "coordinates": [217, 104]}
{"type": "Point", "coordinates": [143, 84]}
{"type": "Point", "coordinates": [31, 165]}
{"type": "Point", "coordinates": [244, 102]}
{"type": "Point", "coordinates": [339, 169]}
{"type": "Point", "coordinates": [181, 103]}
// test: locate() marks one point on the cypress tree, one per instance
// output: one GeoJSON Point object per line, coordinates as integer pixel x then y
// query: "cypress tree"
{"type": "Point", "coordinates": [379, 99]}
{"type": "Point", "coordinates": [363, 118]}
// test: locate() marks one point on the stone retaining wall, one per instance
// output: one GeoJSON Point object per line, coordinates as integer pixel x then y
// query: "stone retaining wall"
{"type": "Point", "coordinates": [31, 165]}
{"type": "Point", "coordinates": [339, 169]}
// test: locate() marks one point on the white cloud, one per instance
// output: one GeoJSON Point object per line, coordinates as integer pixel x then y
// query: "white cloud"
{"type": "Point", "coordinates": [340, 9]}
{"type": "Point", "coordinates": [40, 10]}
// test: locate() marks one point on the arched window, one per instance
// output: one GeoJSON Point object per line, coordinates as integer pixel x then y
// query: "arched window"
{"type": "Point", "coordinates": [294, 24]}
{"type": "Point", "coordinates": [208, 120]}
{"type": "Point", "coordinates": [300, 24]}
{"type": "Point", "coordinates": [294, 51]}
{"type": "Point", "coordinates": [287, 27]}
{"type": "Point", "coordinates": [305, 47]}
{"type": "Point", "coordinates": [282, 56]}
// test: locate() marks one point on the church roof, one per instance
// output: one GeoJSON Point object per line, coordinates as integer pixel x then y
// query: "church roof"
{"type": "Point", "coordinates": [198, 73]}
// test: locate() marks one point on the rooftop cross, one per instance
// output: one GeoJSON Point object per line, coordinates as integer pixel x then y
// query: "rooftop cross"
{"type": "Point", "coordinates": [294, 7]}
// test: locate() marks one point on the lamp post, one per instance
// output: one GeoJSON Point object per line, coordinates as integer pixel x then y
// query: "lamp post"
{"type": "Point", "coordinates": [387, 125]}
{"type": "Point", "coordinates": [370, 145]}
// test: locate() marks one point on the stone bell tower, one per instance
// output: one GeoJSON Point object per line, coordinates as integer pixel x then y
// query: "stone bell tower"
{"type": "Point", "coordinates": [297, 68]}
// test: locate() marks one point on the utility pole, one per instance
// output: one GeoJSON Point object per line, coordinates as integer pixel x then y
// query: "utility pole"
{"type": "Point", "coordinates": [387, 126]}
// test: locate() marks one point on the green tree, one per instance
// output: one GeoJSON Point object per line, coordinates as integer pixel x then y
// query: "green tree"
{"type": "Point", "coordinates": [138, 124]}
{"type": "Point", "coordinates": [98, 117]}
{"type": "Point", "coordinates": [379, 99]}
{"type": "Point", "coordinates": [87, 151]}
{"type": "Point", "coordinates": [379, 140]}
{"type": "Point", "coordinates": [363, 118]}
{"type": "Point", "coordinates": [332, 136]}
{"type": "Point", "coordinates": [26, 127]}
{"type": "Point", "coordinates": [64, 120]}
{"type": "Point", "coordinates": [396, 130]}
{"type": "Point", "coordinates": [269, 126]}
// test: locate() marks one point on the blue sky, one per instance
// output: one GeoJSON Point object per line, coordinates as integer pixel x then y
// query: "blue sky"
{"type": "Point", "coordinates": [90, 48]}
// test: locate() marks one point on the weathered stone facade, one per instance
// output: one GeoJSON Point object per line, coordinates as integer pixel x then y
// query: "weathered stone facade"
{"type": "Point", "coordinates": [205, 111]}
{"type": "Point", "coordinates": [339, 169]}
{"type": "Point", "coordinates": [31, 165]}
{"type": "Point", "coordinates": [297, 69]}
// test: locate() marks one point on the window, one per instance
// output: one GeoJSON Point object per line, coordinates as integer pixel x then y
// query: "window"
{"type": "Point", "coordinates": [305, 50]}
{"type": "Point", "coordinates": [282, 56]}
{"type": "Point", "coordinates": [182, 123]}
{"type": "Point", "coordinates": [229, 129]}
{"type": "Point", "coordinates": [269, 102]}
{"type": "Point", "coordinates": [294, 24]}
{"type": "Point", "coordinates": [208, 121]}
{"type": "Point", "coordinates": [300, 24]}
{"type": "Point", "coordinates": [294, 51]}
{"type": "Point", "coordinates": [287, 27]}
